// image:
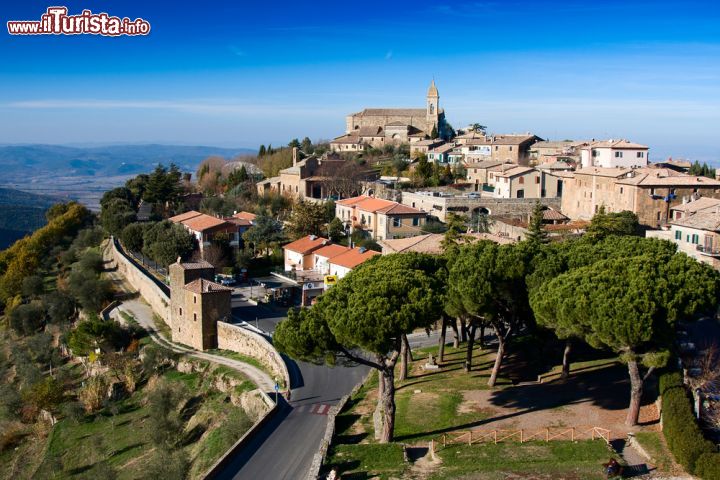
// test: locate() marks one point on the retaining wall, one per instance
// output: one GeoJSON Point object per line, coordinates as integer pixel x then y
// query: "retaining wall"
{"type": "Point", "coordinates": [155, 294]}
{"type": "Point", "coordinates": [245, 342]}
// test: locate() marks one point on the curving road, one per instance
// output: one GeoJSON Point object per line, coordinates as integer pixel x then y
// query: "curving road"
{"type": "Point", "coordinates": [285, 446]}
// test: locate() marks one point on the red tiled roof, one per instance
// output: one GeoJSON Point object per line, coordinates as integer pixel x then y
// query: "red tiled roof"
{"type": "Point", "coordinates": [372, 204]}
{"type": "Point", "coordinates": [306, 244]}
{"type": "Point", "coordinates": [184, 216]}
{"type": "Point", "coordinates": [206, 286]}
{"type": "Point", "coordinates": [245, 216]}
{"type": "Point", "coordinates": [330, 251]}
{"type": "Point", "coordinates": [353, 258]}
{"type": "Point", "coordinates": [203, 222]}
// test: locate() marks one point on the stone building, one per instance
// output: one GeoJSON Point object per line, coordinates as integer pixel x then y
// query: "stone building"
{"type": "Point", "coordinates": [381, 126]}
{"type": "Point", "coordinates": [197, 304]}
{"type": "Point", "coordinates": [478, 147]}
{"type": "Point", "coordinates": [650, 193]}
{"type": "Point", "coordinates": [381, 219]}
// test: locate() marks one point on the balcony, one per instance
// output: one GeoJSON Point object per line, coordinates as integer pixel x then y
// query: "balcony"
{"type": "Point", "coordinates": [709, 251]}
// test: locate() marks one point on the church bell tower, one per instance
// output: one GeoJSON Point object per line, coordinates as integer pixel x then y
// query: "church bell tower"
{"type": "Point", "coordinates": [432, 113]}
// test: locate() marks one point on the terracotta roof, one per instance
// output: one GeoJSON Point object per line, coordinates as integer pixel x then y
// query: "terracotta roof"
{"type": "Point", "coordinates": [486, 164]}
{"type": "Point", "coordinates": [555, 166]}
{"type": "Point", "coordinates": [514, 172]}
{"type": "Point", "coordinates": [704, 220]}
{"type": "Point", "coordinates": [206, 286]}
{"type": "Point", "coordinates": [352, 258]}
{"type": "Point", "coordinates": [350, 139]}
{"type": "Point", "coordinates": [551, 214]}
{"type": "Point", "coordinates": [245, 216]}
{"type": "Point", "coordinates": [443, 148]}
{"type": "Point", "coordinates": [330, 251]}
{"type": "Point", "coordinates": [372, 204]}
{"type": "Point", "coordinates": [196, 265]}
{"type": "Point", "coordinates": [701, 203]}
{"type": "Point", "coordinates": [400, 209]}
{"type": "Point", "coordinates": [659, 179]}
{"type": "Point", "coordinates": [184, 216]}
{"type": "Point", "coordinates": [432, 242]}
{"type": "Point", "coordinates": [203, 222]}
{"type": "Point", "coordinates": [241, 222]}
{"type": "Point", "coordinates": [617, 144]}
{"type": "Point", "coordinates": [603, 172]}
{"type": "Point", "coordinates": [306, 244]}
{"type": "Point", "coordinates": [382, 112]}
{"type": "Point", "coordinates": [369, 132]}
{"type": "Point", "coordinates": [475, 138]}
{"type": "Point", "coordinates": [560, 144]}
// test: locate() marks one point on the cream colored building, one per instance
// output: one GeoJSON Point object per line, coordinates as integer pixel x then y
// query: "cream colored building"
{"type": "Point", "coordinates": [517, 182]}
{"type": "Point", "coordinates": [381, 219]}
{"type": "Point", "coordinates": [614, 154]}
{"type": "Point", "coordinates": [477, 147]}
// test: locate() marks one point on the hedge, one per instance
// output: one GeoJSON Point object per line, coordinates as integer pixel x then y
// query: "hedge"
{"type": "Point", "coordinates": [682, 433]}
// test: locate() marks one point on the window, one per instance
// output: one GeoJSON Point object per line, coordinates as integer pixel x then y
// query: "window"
{"type": "Point", "coordinates": [521, 194]}
{"type": "Point", "coordinates": [652, 191]}
{"type": "Point", "coordinates": [596, 208]}
{"type": "Point", "coordinates": [537, 180]}
{"type": "Point", "coordinates": [621, 190]}
{"type": "Point", "coordinates": [416, 222]}
{"type": "Point", "coordinates": [521, 180]}
{"type": "Point", "coordinates": [511, 149]}
{"type": "Point", "coordinates": [695, 239]}
{"type": "Point", "coordinates": [640, 154]}
{"type": "Point", "coordinates": [595, 153]}
{"type": "Point", "coordinates": [658, 216]}
{"type": "Point", "coordinates": [496, 148]}
{"type": "Point", "coordinates": [194, 298]}
{"type": "Point", "coordinates": [397, 222]}
{"type": "Point", "coordinates": [362, 219]}
{"type": "Point", "coordinates": [181, 311]}
{"type": "Point", "coordinates": [195, 317]}
{"type": "Point", "coordinates": [618, 154]}
{"type": "Point", "coordinates": [678, 235]}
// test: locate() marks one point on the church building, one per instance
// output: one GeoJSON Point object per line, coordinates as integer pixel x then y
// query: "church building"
{"type": "Point", "coordinates": [377, 127]}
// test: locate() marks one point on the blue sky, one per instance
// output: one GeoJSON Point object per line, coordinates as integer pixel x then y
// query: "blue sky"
{"type": "Point", "coordinates": [245, 73]}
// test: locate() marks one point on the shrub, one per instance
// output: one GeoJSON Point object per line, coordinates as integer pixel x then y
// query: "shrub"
{"type": "Point", "coordinates": [683, 436]}
{"type": "Point", "coordinates": [11, 433]}
{"type": "Point", "coordinates": [92, 394]}
{"type": "Point", "coordinates": [707, 466]}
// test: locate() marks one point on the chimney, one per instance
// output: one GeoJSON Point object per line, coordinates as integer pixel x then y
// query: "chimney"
{"type": "Point", "coordinates": [295, 152]}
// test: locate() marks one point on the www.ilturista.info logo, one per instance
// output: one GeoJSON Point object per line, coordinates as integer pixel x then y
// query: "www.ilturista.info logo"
{"type": "Point", "coordinates": [56, 21]}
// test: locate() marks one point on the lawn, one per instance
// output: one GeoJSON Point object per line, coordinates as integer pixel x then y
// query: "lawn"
{"type": "Point", "coordinates": [431, 402]}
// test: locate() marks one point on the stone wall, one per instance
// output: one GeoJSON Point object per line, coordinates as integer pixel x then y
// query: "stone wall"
{"type": "Point", "coordinates": [151, 289]}
{"type": "Point", "coordinates": [245, 342]}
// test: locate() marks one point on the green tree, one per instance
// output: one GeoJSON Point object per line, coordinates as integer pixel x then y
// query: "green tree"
{"type": "Point", "coordinates": [94, 333]}
{"type": "Point", "coordinates": [424, 169]}
{"type": "Point", "coordinates": [28, 318]}
{"type": "Point", "coordinates": [454, 234]}
{"type": "Point", "coordinates": [617, 223]}
{"type": "Point", "coordinates": [371, 309]}
{"type": "Point", "coordinates": [265, 232]}
{"type": "Point", "coordinates": [132, 236]}
{"type": "Point", "coordinates": [237, 176]}
{"type": "Point", "coordinates": [123, 193]}
{"type": "Point", "coordinates": [165, 241]}
{"type": "Point", "coordinates": [486, 283]}
{"type": "Point", "coordinates": [261, 151]}
{"type": "Point", "coordinates": [33, 286]}
{"type": "Point", "coordinates": [116, 215]}
{"type": "Point", "coordinates": [163, 185]}
{"type": "Point", "coordinates": [434, 132]}
{"type": "Point", "coordinates": [307, 146]}
{"type": "Point", "coordinates": [336, 230]}
{"type": "Point", "coordinates": [631, 306]}
{"type": "Point", "coordinates": [294, 143]}
{"type": "Point", "coordinates": [536, 235]}
{"type": "Point", "coordinates": [59, 307]}
{"type": "Point", "coordinates": [307, 218]}
{"type": "Point", "coordinates": [89, 289]}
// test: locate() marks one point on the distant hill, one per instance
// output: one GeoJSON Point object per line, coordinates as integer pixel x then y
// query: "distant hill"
{"type": "Point", "coordinates": [21, 213]}
{"type": "Point", "coordinates": [32, 160]}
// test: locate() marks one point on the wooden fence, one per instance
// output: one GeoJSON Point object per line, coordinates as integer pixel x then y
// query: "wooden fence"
{"type": "Point", "coordinates": [547, 434]}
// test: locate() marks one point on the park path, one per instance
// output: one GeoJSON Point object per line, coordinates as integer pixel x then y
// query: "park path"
{"type": "Point", "coordinates": [133, 305]}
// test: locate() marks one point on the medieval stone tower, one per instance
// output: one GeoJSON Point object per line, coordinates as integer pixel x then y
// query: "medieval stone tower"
{"type": "Point", "coordinates": [197, 304]}
{"type": "Point", "coordinates": [433, 107]}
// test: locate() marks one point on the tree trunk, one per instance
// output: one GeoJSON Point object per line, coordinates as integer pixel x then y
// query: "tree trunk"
{"type": "Point", "coordinates": [387, 400]}
{"type": "Point", "coordinates": [378, 415]}
{"type": "Point", "coordinates": [403, 359]}
{"type": "Point", "coordinates": [407, 347]}
{"type": "Point", "coordinates": [566, 359]}
{"type": "Point", "coordinates": [636, 391]}
{"type": "Point", "coordinates": [456, 334]}
{"type": "Point", "coordinates": [498, 358]}
{"type": "Point", "coordinates": [470, 345]}
{"type": "Point", "coordinates": [482, 336]}
{"type": "Point", "coordinates": [463, 330]}
{"type": "Point", "coordinates": [441, 342]}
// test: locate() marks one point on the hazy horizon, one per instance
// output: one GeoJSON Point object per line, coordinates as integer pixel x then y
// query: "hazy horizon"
{"type": "Point", "coordinates": [241, 75]}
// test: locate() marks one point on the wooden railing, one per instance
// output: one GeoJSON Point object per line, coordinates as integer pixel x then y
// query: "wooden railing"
{"type": "Point", "coordinates": [547, 434]}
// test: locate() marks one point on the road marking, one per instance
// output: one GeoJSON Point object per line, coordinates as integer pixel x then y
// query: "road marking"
{"type": "Point", "coordinates": [320, 409]}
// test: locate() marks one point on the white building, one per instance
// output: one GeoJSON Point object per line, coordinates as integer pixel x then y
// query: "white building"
{"type": "Point", "coordinates": [614, 154]}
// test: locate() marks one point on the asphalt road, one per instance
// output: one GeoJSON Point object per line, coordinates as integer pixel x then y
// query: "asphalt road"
{"type": "Point", "coordinates": [285, 446]}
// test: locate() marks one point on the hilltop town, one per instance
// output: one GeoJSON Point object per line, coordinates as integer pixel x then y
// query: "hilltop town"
{"type": "Point", "coordinates": [406, 300]}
